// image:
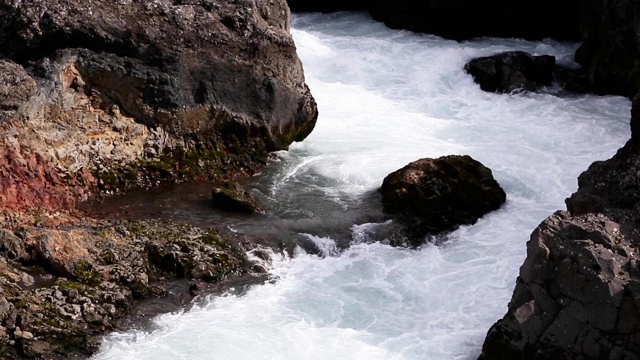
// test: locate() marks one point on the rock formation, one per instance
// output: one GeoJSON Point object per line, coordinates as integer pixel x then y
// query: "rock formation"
{"type": "Point", "coordinates": [108, 95]}
{"type": "Point", "coordinates": [464, 19]}
{"type": "Point", "coordinates": [102, 96]}
{"type": "Point", "coordinates": [578, 293]}
{"type": "Point", "coordinates": [430, 196]}
{"type": "Point", "coordinates": [609, 54]}
{"type": "Point", "coordinates": [511, 71]}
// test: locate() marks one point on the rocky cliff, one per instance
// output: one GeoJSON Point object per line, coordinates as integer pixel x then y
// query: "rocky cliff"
{"type": "Point", "coordinates": [578, 293]}
{"type": "Point", "coordinates": [464, 19]}
{"type": "Point", "coordinates": [101, 96]}
{"type": "Point", "coordinates": [109, 95]}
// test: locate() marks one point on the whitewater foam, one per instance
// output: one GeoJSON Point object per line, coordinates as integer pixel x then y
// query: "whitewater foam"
{"type": "Point", "coordinates": [387, 98]}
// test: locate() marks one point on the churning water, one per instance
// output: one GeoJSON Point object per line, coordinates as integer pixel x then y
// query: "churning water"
{"type": "Point", "coordinates": [387, 98]}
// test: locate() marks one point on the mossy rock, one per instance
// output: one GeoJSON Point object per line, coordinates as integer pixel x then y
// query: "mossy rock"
{"type": "Point", "coordinates": [232, 197]}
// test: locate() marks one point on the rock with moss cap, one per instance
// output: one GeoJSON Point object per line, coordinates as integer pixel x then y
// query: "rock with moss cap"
{"type": "Point", "coordinates": [431, 196]}
{"type": "Point", "coordinates": [233, 197]}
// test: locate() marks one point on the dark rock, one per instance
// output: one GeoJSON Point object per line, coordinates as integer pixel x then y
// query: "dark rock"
{"type": "Point", "coordinates": [326, 6]}
{"type": "Point", "coordinates": [231, 196]}
{"type": "Point", "coordinates": [611, 47]}
{"type": "Point", "coordinates": [614, 183]}
{"type": "Point", "coordinates": [511, 71]}
{"type": "Point", "coordinates": [435, 195]}
{"type": "Point", "coordinates": [576, 294]}
{"type": "Point", "coordinates": [16, 88]}
{"type": "Point", "coordinates": [463, 19]}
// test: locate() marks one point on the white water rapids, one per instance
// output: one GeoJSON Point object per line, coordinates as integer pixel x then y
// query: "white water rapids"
{"type": "Point", "coordinates": [387, 98]}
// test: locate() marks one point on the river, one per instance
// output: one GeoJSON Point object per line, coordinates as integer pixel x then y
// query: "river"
{"type": "Point", "coordinates": [385, 98]}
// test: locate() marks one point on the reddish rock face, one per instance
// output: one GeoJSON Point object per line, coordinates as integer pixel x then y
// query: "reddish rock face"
{"type": "Point", "coordinates": [142, 92]}
{"type": "Point", "coordinates": [27, 181]}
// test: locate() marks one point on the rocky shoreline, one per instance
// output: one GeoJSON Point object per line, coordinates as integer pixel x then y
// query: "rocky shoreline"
{"type": "Point", "coordinates": [101, 97]}
{"type": "Point", "coordinates": [107, 96]}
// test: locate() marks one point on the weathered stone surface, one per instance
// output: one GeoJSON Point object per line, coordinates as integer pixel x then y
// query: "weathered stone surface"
{"type": "Point", "coordinates": [96, 275]}
{"type": "Point", "coordinates": [231, 196]}
{"type": "Point", "coordinates": [436, 195]}
{"type": "Point", "coordinates": [132, 93]}
{"type": "Point", "coordinates": [576, 294]}
{"type": "Point", "coordinates": [511, 71]}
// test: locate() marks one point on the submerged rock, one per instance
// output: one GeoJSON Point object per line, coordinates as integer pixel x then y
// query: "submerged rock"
{"type": "Point", "coordinates": [434, 195]}
{"type": "Point", "coordinates": [511, 71]}
{"type": "Point", "coordinates": [231, 196]}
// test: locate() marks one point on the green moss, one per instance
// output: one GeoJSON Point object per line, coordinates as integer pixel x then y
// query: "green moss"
{"type": "Point", "coordinates": [85, 273]}
{"type": "Point", "coordinates": [213, 238]}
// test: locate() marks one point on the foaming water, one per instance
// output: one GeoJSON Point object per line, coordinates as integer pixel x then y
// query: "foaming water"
{"type": "Point", "coordinates": [387, 98]}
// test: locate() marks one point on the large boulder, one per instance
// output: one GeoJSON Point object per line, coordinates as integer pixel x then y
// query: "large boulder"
{"type": "Point", "coordinates": [140, 92]}
{"type": "Point", "coordinates": [435, 195]}
{"type": "Point", "coordinates": [511, 71]}
{"type": "Point", "coordinates": [578, 293]}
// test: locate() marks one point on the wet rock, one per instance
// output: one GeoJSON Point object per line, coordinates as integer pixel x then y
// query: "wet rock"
{"type": "Point", "coordinates": [120, 95]}
{"type": "Point", "coordinates": [578, 292]}
{"type": "Point", "coordinates": [434, 195]}
{"type": "Point", "coordinates": [511, 71]}
{"type": "Point", "coordinates": [576, 295]}
{"type": "Point", "coordinates": [231, 196]}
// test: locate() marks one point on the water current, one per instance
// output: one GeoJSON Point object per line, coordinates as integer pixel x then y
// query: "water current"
{"type": "Point", "coordinates": [385, 98]}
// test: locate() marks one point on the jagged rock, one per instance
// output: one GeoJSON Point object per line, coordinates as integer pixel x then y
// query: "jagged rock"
{"type": "Point", "coordinates": [577, 294]}
{"type": "Point", "coordinates": [127, 94]}
{"type": "Point", "coordinates": [231, 196]}
{"type": "Point", "coordinates": [511, 71]}
{"type": "Point", "coordinates": [435, 195]}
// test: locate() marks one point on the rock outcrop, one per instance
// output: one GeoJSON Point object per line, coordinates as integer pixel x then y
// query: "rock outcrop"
{"type": "Point", "coordinates": [109, 95]}
{"type": "Point", "coordinates": [231, 196]}
{"type": "Point", "coordinates": [464, 19]}
{"type": "Point", "coordinates": [431, 196]}
{"type": "Point", "coordinates": [578, 293]}
{"type": "Point", "coordinates": [611, 48]}
{"type": "Point", "coordinates": [61, 287]}
{"type": "Point", "coordinates": [511, 71]}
